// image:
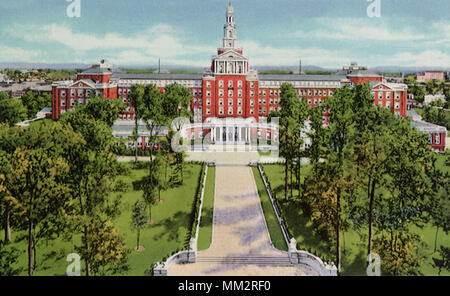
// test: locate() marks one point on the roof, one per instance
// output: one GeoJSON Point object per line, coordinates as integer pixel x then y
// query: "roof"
{"type": "Point", "coordinates": [427, 127]}
{"type": "Point", "coordinates": [363, 73]}
{"type": "Point", "coordinates": [296, 77]}
{"type": "Point", "coordinates": [158, 76]}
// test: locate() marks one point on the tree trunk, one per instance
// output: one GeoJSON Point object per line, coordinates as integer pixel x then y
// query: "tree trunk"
{"type": "Point", "coordinates": [137, 246]}
{"type": "Point", "coordinates": [372, 198]}
{"type": "Point", "coordinates": [137, 129]}
{"type": "Point", "coordinates": [291, 185]}
{"type": "Point", "coordinates": [435, 238]}
{"type": "Point", "coordinates": [30, 247]}
{"type": "Point", "coordinates": [298, 176]}
{"type": "Point", "coordinates": [338, 231]}
{"type": "Point", "coordinates": [7, 224]}
{"type": "Point", "coordinates": [286, 186]}
{"type": "Point", "coordinates": [86, 246]}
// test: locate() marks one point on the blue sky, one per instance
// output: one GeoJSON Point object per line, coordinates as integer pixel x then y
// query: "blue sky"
{"type": "Point", "coordinates": [327, 33]}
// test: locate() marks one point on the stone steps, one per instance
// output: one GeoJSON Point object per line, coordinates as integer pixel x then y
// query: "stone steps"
{"type": "Point", "coordinates": [246, 260]}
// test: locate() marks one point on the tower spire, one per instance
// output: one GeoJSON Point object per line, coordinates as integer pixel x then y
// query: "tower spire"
{"type": "Point", "coordinates": [229, 34]}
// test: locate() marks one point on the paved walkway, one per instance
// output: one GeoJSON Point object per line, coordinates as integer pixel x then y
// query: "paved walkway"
{"type": "Point", "coordinates": [241, 244]}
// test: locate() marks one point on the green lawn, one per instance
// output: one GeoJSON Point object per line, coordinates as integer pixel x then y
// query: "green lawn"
{"type": "Point", "coordinates": [206, 222]}
{"type": "Point", "coordinates": [276, 235]}
{"type": "Point", "coordinates": [168, 233]}
{"type": "Point", "coordinates": [354, 248]}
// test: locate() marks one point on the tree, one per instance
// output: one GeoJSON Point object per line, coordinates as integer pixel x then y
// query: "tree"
{"type": "Point", "coordinates": [150, 195]}
{"type": "Point", "coordinates": [35, 102]}
{"type": "Point", "coordinates": [444, 262]}
{"type": "Point", "coordinates": [399, 253]}
{"type": "Point", "coordinates": [341, 130]}
{"type": "Point", "coordinates": [439, 207]}
{"type": "Point", "coordinates": [101, 109]}
{"type": "Point", "coordinates": [292, 116]}
{"type": "Point", "coordinates": [12, 111]}
{"type": "Point", "coordinates": [38, 191]}
{"type": "Point", "coordinates": [139, 220]}
{"type": "Point", "coordinates": [175, 105]}
{"type": "Point", "coordinates": [7, 258]}
{"type": "Point", "coordinates": [93, 169]}
{"type": "Point", "coordinates": [317, 136]}
{"type": "Point", "coordinates": [136, 100]}
{"type": "Point", "coordinates": [106, 248]}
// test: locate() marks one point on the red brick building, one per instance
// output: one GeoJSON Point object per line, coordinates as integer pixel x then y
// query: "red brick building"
{"type": "Point", "coordinates": [230, 91]}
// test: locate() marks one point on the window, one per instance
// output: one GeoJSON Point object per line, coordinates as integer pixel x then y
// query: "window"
{"type": "Point", "coordinates": [252, 111]}
{"type": "Point", "coordinates": [230, 102]}
{"type": "Point", "coordinates": [220, 92]}
{"type": "Point", "coordinates": [72, 103]}
{"type": "Point", "coordinates": [252, 93]}
{"type": "Point", "coordinates": [330, 93]}
{"type": "Point", "coordinates": [230, 111]}
{"type": "Point", "coordinates": [309, 101]}
{"type": "Point", "coordinates": [271, 92]}
{"type": "Point", "coordinates": [309, 92]}
{"type": "Point", "coordinates": [388, 105]}
{"type": "Point", "coordinates": [208, 102]}
{"type": "Point", "coordinates": [220, 83]}
{"type": "Point", "coordinates": [208, 111]}
{"type": "Point", "coordinates": [208, 83]}
{"type": "Point", "coordinates": [430, 139]}
{"type": "Point", "coordinates": [63, 103]}
{"type": "Point", "coordinates": [380, 95]}
{"type": "Point", "coordinates": [252, 84]}
{"type": "Point", "coordinates": [63, 93]}
{"type": "Point", "coordinates": [315, 101]}
{"type": "Point", "coordinates": [239, 111]}
{"type": "Point", "coordinates": [208, 93]}
{"type": "Point", "coordinates": [230, 83]}
{"type": "Point", "coordinates": [264, 93]}
{"type": "Point", "coordinates": [230, 92]}
{"type": "Point", "coordinates": [240, 102]}
{"type": "Point", "coordinates": [252, 102]}
{"type": "Point", "coordinates": [239, 83]}
{"type": "Point", "coordinates": [388, 95]}
{"type": "Point", "coordinates": [129, 91]}
{"type": "Point", "coordinates": [240, 92]}
{"type": "Point", "coordinates": [437, 139]}
{"type": "Point", "coordinates": [221, 102]}
{"type": "Point", "coordinates": [120, 91]}
{"type": "Point", "coordinates": [271, 101]}
{"type": "Point", "coordinates": [221, 111]}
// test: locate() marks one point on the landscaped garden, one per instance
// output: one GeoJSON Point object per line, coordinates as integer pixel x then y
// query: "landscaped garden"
{"type": "Point", "coordinates": [276, 235]}
{"type": "Point", "coordinates": [206, 222]}
{"type": "Point", "coordinates": [171, 221]}
{"type": "Point", "coordinates": [354, 248]}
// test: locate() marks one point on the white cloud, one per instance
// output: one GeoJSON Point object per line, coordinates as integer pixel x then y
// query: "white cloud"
{"type": "Point", "coordinates": [431, 58]}
{"type": "Point", "coordinates": [289, 56]}
{"type": "Point", "coordinates": [358, 29]}
{"type": "Point", "coordinates": [16, 54]}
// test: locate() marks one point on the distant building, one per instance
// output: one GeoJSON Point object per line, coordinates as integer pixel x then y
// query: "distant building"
{"type": "Point", "coordinates": [229, 96]}
{"type": "Point", "coordinates": [430, 75]}
{"type": "Point", "coordinates": [435, 132]}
